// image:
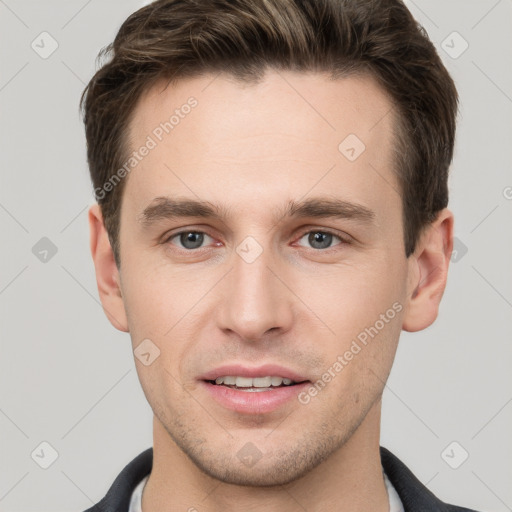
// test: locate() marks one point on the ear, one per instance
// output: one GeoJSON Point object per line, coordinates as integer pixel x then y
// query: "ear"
{"type": "Point", "coordinates": [428, 272]}
{"type": "Point", "coordinates": [107, 274]}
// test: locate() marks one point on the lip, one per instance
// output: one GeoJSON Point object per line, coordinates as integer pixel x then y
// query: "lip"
{"type": "Point", "coordinates": [253, 402]}
{"type": "Point", "coordinates": [266, 370]}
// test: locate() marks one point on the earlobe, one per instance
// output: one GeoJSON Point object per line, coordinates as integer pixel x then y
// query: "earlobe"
{"type": "Point", "coordinates": [107, 273]}
{"type": "Point", "coordinates": [428, 268]}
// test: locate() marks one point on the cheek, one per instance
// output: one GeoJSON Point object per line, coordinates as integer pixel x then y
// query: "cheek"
{"type": "Point", "coordinates": [347, 299]}
{"type": "Point", "coordinates": [366, 320]}
{"type": "Point", "coordinates": [154, 299]}
{"type": "Point", "coordinates": [165, 306]}
{"type": "Point", "coordinates": [360, 309]}
{"type": "Point", "coordinates": [158, 311]}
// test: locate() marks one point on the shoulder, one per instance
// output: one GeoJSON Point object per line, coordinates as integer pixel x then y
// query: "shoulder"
{"type": "Point", "coordinates": [118, 496]}
{"type": "Point", "coordinates": [413, 494]}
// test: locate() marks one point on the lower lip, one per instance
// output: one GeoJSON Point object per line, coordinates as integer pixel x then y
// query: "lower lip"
{"type": "Point", "coordinates": [253, 402]}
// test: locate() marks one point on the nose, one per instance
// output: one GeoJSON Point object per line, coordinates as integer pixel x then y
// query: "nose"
{"type": "Point", "coordinates": [256, 301]}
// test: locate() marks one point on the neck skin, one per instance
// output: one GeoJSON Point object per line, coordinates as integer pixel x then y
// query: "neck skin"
{"type": "Point", "coordinates": [351, 480]}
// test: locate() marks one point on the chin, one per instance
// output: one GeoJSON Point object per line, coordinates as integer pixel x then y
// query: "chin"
{"type": "Point", "coordinates": [250, 467]}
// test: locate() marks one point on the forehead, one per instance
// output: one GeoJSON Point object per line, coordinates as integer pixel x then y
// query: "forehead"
{"type": "Point", "coordinates": [287, 134]}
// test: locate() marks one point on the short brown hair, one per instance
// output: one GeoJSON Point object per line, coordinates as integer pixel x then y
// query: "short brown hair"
{"type": "Point", "coordinates": [173, 39]}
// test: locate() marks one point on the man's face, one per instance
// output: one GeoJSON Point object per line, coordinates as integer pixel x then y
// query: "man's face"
{"type": "Point", "coordinates": [259, 286]}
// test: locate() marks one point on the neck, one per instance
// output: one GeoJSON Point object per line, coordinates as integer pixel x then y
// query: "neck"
{"type": "Point", "coordinates": [350, 480]}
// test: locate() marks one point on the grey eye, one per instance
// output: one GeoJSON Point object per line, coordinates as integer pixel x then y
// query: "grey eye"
{"type": "Point", "coordinates": [320, 239]}
{"type": "Point", "coordinates": [190, 239]}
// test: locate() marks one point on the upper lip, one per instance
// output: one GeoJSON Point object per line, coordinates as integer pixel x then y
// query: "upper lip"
{"type": "Point", "coordinates": [266, 370]}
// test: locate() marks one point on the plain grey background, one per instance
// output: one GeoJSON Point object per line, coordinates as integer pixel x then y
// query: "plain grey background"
{"type": "Point", "coordinates": [68, 378]}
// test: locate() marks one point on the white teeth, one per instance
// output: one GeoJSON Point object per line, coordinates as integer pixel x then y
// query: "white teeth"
{"type": "Point", "coordinates": [244, 382]}
{"type": "Point", "coordinates": [256, 382]}
{"type": "Point", "coordinates": [262, 382]}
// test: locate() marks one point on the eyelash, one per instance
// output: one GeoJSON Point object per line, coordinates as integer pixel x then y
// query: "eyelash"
{"type": "Point", "coordinates": [343, 240]}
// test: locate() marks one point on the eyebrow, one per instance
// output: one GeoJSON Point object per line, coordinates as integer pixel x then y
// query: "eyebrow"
{"type": "Point", "coordinates": [166, 208]}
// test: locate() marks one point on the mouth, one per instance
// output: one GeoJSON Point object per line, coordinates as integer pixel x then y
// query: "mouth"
{"type": "Point", "coordinates": [248, 390]}
{"type": "Point", "coordinates": [254, 384]}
